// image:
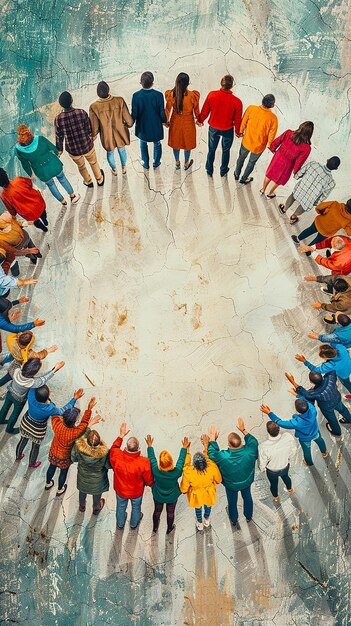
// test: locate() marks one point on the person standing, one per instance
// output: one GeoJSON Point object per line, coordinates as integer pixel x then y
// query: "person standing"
{"type": "Point", "coordinates": [73, 131]}
{"type": "Point", "coordinates": [20, 198]}
{"type": "Point", "coordinates": [340, 299]}
{"type": "Point", "coordinates": [148, 112]}
{"type": "Point", "coordinates": [20, 347]}
{"type": "Point", "coordinates": [165, 489]}
{"type": "Point", "coordinates": [237, 466]}
{"type": "Point", "coordinates": [275, 455]}
{"type": "Point", "coordinates": [11, 282]}
{"type": "Point", "coordinates": [291, 149]}
{"type": "Point", "coordinates": [182, 108]}
{"type": "Point", "coordinates": [7, 318]}
{"type": "Point", "coordinates": [341, 333]}
{"type": "Point", "coordinates": [132, 472]}
{"type": "Point", "coordinates": [13, 233]}
{"type": "Point", "coordinates": [92, 455]}
{"type": "Point", "coordinates": [315, 182]}
{"type": "Point", "coordinates": [335, 358]}
{"type": "Point", "coordinates": [332, 216]}
{"type": "Point", "coordinates": [39, 157]}
{"type": "Point", "coordinates": [110, 117]}
{"type": "Point", "coordinates": [338, 261]}
{"type": "Point", "coordinates": [225, 111]}
{"type": "Point", "coordinates": [258, 128]}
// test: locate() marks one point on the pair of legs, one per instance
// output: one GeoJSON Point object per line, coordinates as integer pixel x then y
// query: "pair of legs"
{"type": "Point", "coordinates": [94, 164]}
{"type": "Point", "coordinates": [6, 378]}
{"type": "Point", "coordinates": [42, 222]}
{"type": "Point", "coordinates": [17, 409]}
{"type": "Point", "coordinates": [311, 230]}
{"type": "Point", "coordinates": [97, 502]}
{"type": "Point", "coordinates": [65, 184]}
{"type": "Point", "coordinates": [170, 508]}
{"type": "Point", "coordinates": [346, 382]}
{"type": "Point", "coordinates": [306, 448]}
{"type": "Point", "coordinates": [33, 453]}
{"type": "Point", "coordinates": [243, 153]}
{"type": "Point", "coordinates": [186, 157]}
{"type": "Point", "coordinates": [206, 512]}
{"type": "Point", "coordinates": [110, 154]}
{"type": "Point", "coordinates": [121, 511]}
{"type": "Point", "coordinates": [232, 497]}
{"type": "Point", "coordinates": [332, 420]}
{"type": "Point", "coordinates": [144, 149]}
{"type": "Point", "coordinates": [62, 476]}
{"type": "Point", "coordinates": [214, 136]}
{"type": "Point", "coordinates": [273, 477]}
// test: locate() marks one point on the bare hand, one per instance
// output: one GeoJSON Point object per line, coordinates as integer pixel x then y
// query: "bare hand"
{"type": "Point", "coordinates": [59, 366]}
{"type": "Point", "coordinates": [300, 357]}
{"type": "Point", "coordinates": [205, 440]}
{"type": "Point", "coordinates": [303, 249]}
{"type": "Point", "coordinates": [186, 443]}
{"type": "Point", "coordinates": [123, 431]}
{"type": "Point", "coordinates": [313, 335]}
{"type": "Point", "coordinates": [92, 403]}
{"type": "Point", "coordinates": [290, 378]}
{"type": "Point", "coordinates": [39, 322]}
{"type": "Point", "coordinates": [14, 316]}
{"type": "Point", "coordinates": [241, 425]}
{"type": "Point", "coordinates": [23, 299]}
{"type": "Point", "coordinates": [310, 278]}
{"type": "Point", "coordinates": [292, 391]}
{"type": "Point", "coordinates": [30, 281]}
{"type": "Point", "coordinates": [30, 222]}
{"type": "Point", "coordinates": [95, 420]}
{"type": "Point", "coordinates": [316, 305]}
{"type": "Point", "coordinates": [149, 441]}
{"type": "Point", "coordinates": [78, 394]}
{"type": "Point", "coordinates": [52, 349]}
{"type": "Point", "coordinates": [213, 432]}
{"type": "Point", "coordinates": [265, 409]}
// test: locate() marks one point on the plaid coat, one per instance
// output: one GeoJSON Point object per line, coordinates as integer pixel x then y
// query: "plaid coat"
{"type": "Point", "coordinates": [72, 126]}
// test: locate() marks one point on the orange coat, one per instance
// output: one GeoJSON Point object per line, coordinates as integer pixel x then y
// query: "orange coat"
{"type": "Point", "coordinates": [64, 438]}
{"type": "Point", "coordinates": [259, 126]}
{"type": "Point", "coordinates": [182, 130]}
{"type": "Point", "coordinates": [11, 231]}
{"type": "Point", "coordinates": [332, 216]}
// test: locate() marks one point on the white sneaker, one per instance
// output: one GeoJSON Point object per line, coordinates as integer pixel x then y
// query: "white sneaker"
{"type": "Point", "coordinates": [199, 526]}
{"type": "Point", "coordinates": [324, 289]}
{"type": "Point", "coordinates": [75, 198]}
{"type": "Point", "coordinates": [114, 171]}
{"type": "Point", "coordinates": [207, 522]}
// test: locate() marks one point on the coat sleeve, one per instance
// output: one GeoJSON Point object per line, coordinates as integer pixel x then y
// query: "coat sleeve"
{"type": "Point", "coordinates": [185, 482]}
{"type": "Point", "coordinates": [276, 143]}
{"type": "Point", "coordinates": [41, 354]}
{"type": "Point", "coordinates": [196, 102]}
{"type": "Point", "coordinates": [252, 443]}
{"type": "Point", "coordinates": [25, 163]}
{"type": "Point", "coordinates": [327, 189]}
{"type": "Point", "coordinates": [262, 457]}
{"type": "Point", "coordinates": [74, 454]}
{"type": "Point", "coordinates": [304, 154]}
{"type": "Point", "coordinates": [134, 108]}
{"type": "Point", "coordinates": [213, 451]}
{"type": "Point", "coordinates": [11, 209]}
{"type": "Point", "coordinates": [87, 124]}
{"type": "Point", "coordinates": [181, 461]}
{"type": "Point", "coordinates": [238, 111]}
{"type": "Point", "coordinates": [272, 131]}
{"type": "Point", "coordinates": [81, 428]}
{"type": "Point", "coordinates": [301, 172]}
{"type": "Point", "coordinates": [50, 146]}
{"type": "Point", "coordinates": [127, 118]}
{"type": "Point", "coordinates": [162, 109]}
{"type": "Point", "coordinates": [336, 305]}
{"type": "Point", "coordinates": [328, 366]}
{"type": "Point", "coordinates": [245, 120]}
{"type": "Point", "coordinates": [148, 476]}
{"type": "Point", "coordinates": [308, 394]}
{"type": "Point", "coordinates": [60, 411]}
{"type": "Point", "coordinates": [59, 135]}
{"type": "Point", "coordinates": [323, 208]}
{"type": "Point", "coordinates": [169, 103]}
{"type": "Point", "coordinates": [329, 263]}
{"type": "Point", "coordinates": [14, 328]}
{"type": "Point", "coordinates": [205, 111]}
{"type": "Point", "coordinates": [217, 476]}
{"type": "Point", "coordinates": [39, 381]}
{"type": "Point", "coordinates": [329, 338]}
{"type": "Point", "coordinates": [94, 121]}
{"type": "Point", "coordinates": [152, 457]}
{"type": "Point", "coordinates": [282, 423]}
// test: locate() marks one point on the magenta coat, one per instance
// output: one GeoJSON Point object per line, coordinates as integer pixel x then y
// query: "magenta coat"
{"type": "Point", "coordinates": [288, 158]}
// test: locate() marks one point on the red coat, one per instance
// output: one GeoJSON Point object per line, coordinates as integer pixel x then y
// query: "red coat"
{"type": "Point", "coordinates": [131, 471]}
{"type": "Point", "coordinates": [20, 197]}
{"type": "Point", "coordinates": [340, 261]}
{"type": "Point", "coordinates": [225, 110]}
{"type": "Point", "coordinates": [288, 158]}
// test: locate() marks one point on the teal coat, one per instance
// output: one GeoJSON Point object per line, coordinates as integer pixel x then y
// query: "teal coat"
{"type": "Point", "coordinates": [166, 489]}
{"type": "Point", "coordinates": [93, 466]}
{"type": "Point", "coordinates": [237, 466]}
{"type": "Point", "coordinates": [40, 157]}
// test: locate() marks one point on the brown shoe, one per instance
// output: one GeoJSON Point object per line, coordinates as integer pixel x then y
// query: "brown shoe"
{"type": "Point", "coordinates": [102, 504]}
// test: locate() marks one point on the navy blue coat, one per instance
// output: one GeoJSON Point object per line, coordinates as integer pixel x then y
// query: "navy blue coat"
{"type": "Point", "coordinates": [326, 395]}
{"type": "Point", "coordinates": [148, 111]}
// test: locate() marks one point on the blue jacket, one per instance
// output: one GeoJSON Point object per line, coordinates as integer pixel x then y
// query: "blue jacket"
{"type": "Point", "coordinates": [341, 364]}
{"type": "Point", "coordinates": [40, 411]}
{"type": "Point", "coordinates": [305, 425]}
{"type": "Point", "coordinates": [148, 111]}
{"type": "Point", "coordinates": [326, 395]}
{"type": "Point", "coordinates": [341, 334]}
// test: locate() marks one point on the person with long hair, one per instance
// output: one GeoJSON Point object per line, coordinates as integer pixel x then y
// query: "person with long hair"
{"type": "Point", "coordinates": [92, 455]}
{"type": "Point", "coordinates": [291, 149]}
{"type": "Point", "coordinates": [182, 108]}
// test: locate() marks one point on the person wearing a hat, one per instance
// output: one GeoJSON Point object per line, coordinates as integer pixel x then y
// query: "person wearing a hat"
{"type": "Point", "coordinates": [21, 198]}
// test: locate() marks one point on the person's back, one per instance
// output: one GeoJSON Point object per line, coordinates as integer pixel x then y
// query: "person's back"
{"type": "Point", "coordinates": [19, 196]}
{"type": "Point", "coordinates": [132, 471]}
{"type": "Point", "coordinates": [73, 125]}
{"type": "Point", "coordinates": [260, 128]}
{"type": "Point", "coordinates": [148, 113]}
{"type": "Point", "coordinates": [277, 451]}
{"type": "Point", "coordinates": [237, 465]}
{"type": "Point", "coordinates": [93, 467]}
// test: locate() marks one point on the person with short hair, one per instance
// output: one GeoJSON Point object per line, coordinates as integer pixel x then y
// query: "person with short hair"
{"type": "Point", "coordinates": [258, 128]}
{"type": "Point", "coordinates": [315, 183]}
{"type": "Point", "coordinates": [12, 232]}
{"type": "Point", "coordinates": [339, 259]}
{"type": "Point", "coordinates": [335, 358]}
{"type": "Point", "coordinates": [237, 466]}
{"type": "Point", "coordinates": [148, 112]}
{"type": "Point", "coordinates": [20, 347]}
{"type": "Point", "coordinates": [341, 333]}
{"type": "Point", "coordinates": [73, 132]}
{"type": "Point", "coordinates": [10, 282]}
{"type": "Point", "coordinates": [7, 318]}
{"type": "Point", "coordinates": [275, 456]}
{"type": "Point", "coordinates": [132, 472]}
{"type": "Point", "coordinates": [110, 118]}
{"type": "Point", "coordinates": [225, 111]}
{"type": "Point", "coordinates": [92, 455]}
{"type": "Point", "coordinates": [21, 198]}
{"type": "Point", "coordinates": [332, 216]}
{"type": "Point", "coordinates": [182, 109]}
{"type": "Point", "coordinates": [340, 298]}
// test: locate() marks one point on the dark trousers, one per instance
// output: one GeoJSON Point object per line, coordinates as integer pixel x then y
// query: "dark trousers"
{"type": "Point", "coordinates": [243, 153]}
{"type": "Point", "coordinates": [273, 477]}
{"type": "Point", "coordinates": [33, 453]}
{"type": "Point", "coordinates": [5, 379]}
{"type": "Point", "coordinates": [329, 414]}
{"type": "Point", "coordinates": [232, 497]}
{"type": "Point", "coordinates": [96, 500]}
{"type": "Point", "coordinates": [62, 477]}
{"type": "Point", "coordinates": [345, 381]}
{"type": "Point", "coordinates": [311, 230]}
{"type": "Point", "coordinates": [17, 408]}
{"type": "Point", "coordinates": [306, 448]}
{"type": "Point", "coordinates": [170, 508]}
{"type": "Point", "coordinates": [214, 136]}
{"type": "Point", "coordinates": [42, 222]}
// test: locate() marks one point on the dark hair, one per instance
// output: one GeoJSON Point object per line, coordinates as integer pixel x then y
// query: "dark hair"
{"type": "Point", "coordinates": [42, 393]}
{"type": "Point", "coordinates": [327, 352]}
{"type": "Point", "coordinates": [65, 99]}
{"type": "Point", "coordinates": [199, 462]}
{"type": "Point", "coordinates": [301, 406]}
{"type": "Point", "coordinates": [5, 306]}
{"type": "Point", "coordinates": [340, 285]}
{"type": "Point", "coordinates": [70, 416]}
{"type": "Point", "coordinates": [268, 102]}
{"type": "Point", "coordinates": [303, 134]}
{"type": "Point", "coordinates": [348, 205]}
{"type": "Point", "coordinates": [93, 438]}
{"type": "Point", "coordinates": [316, 378]}
{"type": "Point", "coordinates": [343, 319]}
{"type": "Point", "coordinates": [333, 163]}
{"type": "Point", "coordinates": [102, 89]}
{"type": "Point", "coordinates": [227, 82]}
{"type": "Point", "coordinates": [4, 179]}
{"type": "Point", "coordinates": [179, 91]}
{"type": "Point", "coordinates": [272, 428]}
{"type": "Point", "coordinates": [146, 79]}
{"type": "Point", "coordinates": [2, 257]}
{"type": "Point", "coordinates": [31, 367]}
{"type": "Point", "coordinates": [24, 338]}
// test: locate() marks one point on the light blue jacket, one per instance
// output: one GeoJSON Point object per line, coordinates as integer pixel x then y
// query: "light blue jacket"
{"type": "Point", "coordinates": [341, 363]}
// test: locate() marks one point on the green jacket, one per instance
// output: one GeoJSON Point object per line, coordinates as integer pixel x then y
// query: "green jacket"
{"type": "Point", "coordinates": [93, 465]}
{"type": "Point", "coordinates": [165, 488]}
{"type": "Point", "coordinates": [237, 466]}
{"type": "Point", "coordinates": [40, 157]}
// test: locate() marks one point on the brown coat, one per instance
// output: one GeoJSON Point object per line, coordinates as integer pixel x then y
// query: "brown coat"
{"type": "Point", "coordinates": [111, 118]}
{"type": "Point", "coordinates": [338, 301]}
{"type": "Point", "coordinates": [332, 216]}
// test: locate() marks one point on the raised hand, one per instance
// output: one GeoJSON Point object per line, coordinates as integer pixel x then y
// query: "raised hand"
{"type": "Point", "coordinates": [205, 440]}
{"type": "Point", "coordinates": [313, 335]}
{"type": "Point", "coordinates": [186, 443]}
{"type": "Point", "coordinates": [78, 394]}
{"type": "Point", "coordinates": [14, 316]}
{"type": "Point", "coordinates": [213, 432]}
{"type": "Point", "coordinates": [96, 420]}
{"type": "Point", "coordinates": [39, 322]}
{"type": "Point", "coordinates": [316, 305]}
{"type": "Point", "coordinates": [123, 431]}
{"type": "Point", "coordinates": [241, 425]}
{"type": "Point", "coordinates": [59, 366]}
{"type": "Point", "coordinates": [290, 378]}
{"type": "Point", "coordinates": [265, 409]}
{"type": "Point", "coordinates": [92, 403]}
{"type": "Point", "coordinates": [300, 357]}
{"type": "Point", "coordinates": [23, 299]}
{"type": "Point", "coordinates": [303, 249]}
{"type": "Point", "coordinates": [52, 349]}
{"type": "Point", "coordinates": [310, 278]}
{"type": "Point", "coordinates": [149, 441]}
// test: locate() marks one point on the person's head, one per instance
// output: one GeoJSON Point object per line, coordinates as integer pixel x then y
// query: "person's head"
{"type": "Point", "coordinates": [181, 85]}
{"type": "Point", "coordinates": [132, 444]}
{"type": "Point", "coordinates": [234, 441]}
{"type": "Point", "coordinates": [348, 205]}
{"type": "Point", "coordinates": [199, 462]}
{"type": "Point", "coordinates": [31, 367]}
{"type": "Point", "coordinates": [337, 243]}
{"type": "Point", "coordinates": [24, 338]}
{"type": "Point", "coordinates": [25, 137]}
{"type": "Point", "coordinates": [272, 428]}
{"type": "Point", "coordinates": [42, 394]}
{"type": "Point", "coordinates": [103, 90]}
{"type": "Point", "coordinates": [342, 319]}
{"type": "Point", "coordinates": [333, 163]}
{"type": "Point", "coordinates": [327, 352]}
{"type": "Point", "coordinates": [5, 306]}
{"type": "Point", "coordinates": [70, 416]}
{"type": "Point", "coordinates": [2, 255]}
{"type": "Point", "coordinates": [303, 134]}
{"type": "Point", "coordinates": [4, 179]}
{"type": "Point", "coordinates": [93, 438]}
{"type": "Point", "coordinates": [147, 80]}
{"type": "Point", "coordinates": [315, 378]}
{"type": "Point", "coordinates": [268, 101]}
{"type": "Point", "coordinates": [65, 100]}
{"type": "Point", "coordinates": [227, 82]}
{"type": "Point", "coordinates": [166, 462]}
{"type": "Point", "coordinates": [340, 285]}
{"type": "Point", "coordinates": [301, 406]}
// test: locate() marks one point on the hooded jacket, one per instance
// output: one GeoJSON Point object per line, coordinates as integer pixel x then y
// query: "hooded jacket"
{"type": "Point", "coordinates": [304, 424]}
{"type": "Point", "coordinates": [93, 465]}
{"type": "Point", "coordinates": [200, 487]}
{"type": "Point", "coordinates": [165, 488]}
{"type": "Point", "coordinates": [332, 216]}
{"type": "Point", "coordinates": [237, 466]}
{"type": "Point", "coordinates": [40, 157]}
{"type": "Point", "coordinates": [341, 363]}
{"type": "Point", "coordinates": [20, 385]}
{"type": "Point", "coordinates": [326, 395]}
{"type": "Point", "coordinates": [22, 354]}
{"type": "Point", "coordinates": [339, 301]}
{"type": "Point", "coordinates": [20, 197]}
{"type": "Point", "coordinates": [340, 334]}
{"type": "Point", "coordinates": [131, 471]}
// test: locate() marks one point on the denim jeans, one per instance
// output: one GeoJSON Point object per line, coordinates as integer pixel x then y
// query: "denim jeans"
{"type": "Point", "coordinates": [145, 153]}
{"type": "Point", "coordinates": [121, 514]}
{"type": "Point", "coordinates": [346, 382]}
{"type": "Point", "coordinates": [65, 184]}
{"type": "Point", "coordinates": [232, 497]}
{"type": "Point", "coordinates": [311, 230]}
{"type": "Point", "coordinates": [186, 155]}
{"type": "Point", "coordinates": [329, 414]}
{"type": "Point", "coordinates": [207, 513]}
{"type": "Point", "coordinates": [243, 153]}
{"type": "Point", "coordinates": [214, 136]}
{"type": "Point", "coordinates": [273, 477]}
{"type": "Point", "coordinates": [111, 157]}
{"type": "Point", "coordinates": [306, 448]}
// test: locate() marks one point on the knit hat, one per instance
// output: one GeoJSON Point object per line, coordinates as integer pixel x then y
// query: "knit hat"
{"type": "Point", "coordinates": [65, 100]}
{"type": "Point", "coordinates": [166, 462]}
{"type": "Point", "coordinates": [25, 137]}
{"type": "Point", "coordinates": [103, 89]}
